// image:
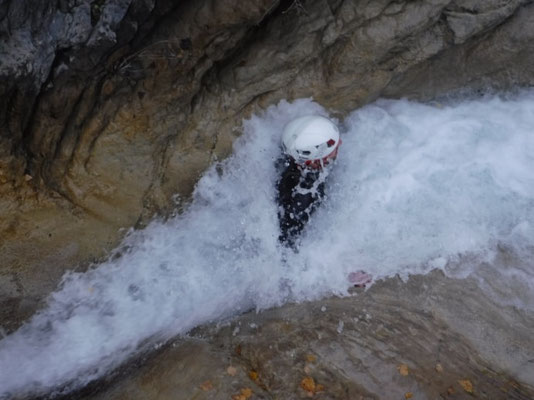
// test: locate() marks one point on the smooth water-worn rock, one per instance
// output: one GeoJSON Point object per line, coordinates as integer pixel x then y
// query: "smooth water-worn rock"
{"type": "Point", "coordinates": [110, 108]}
{"type": "Point", "coordinates": [429, 338]}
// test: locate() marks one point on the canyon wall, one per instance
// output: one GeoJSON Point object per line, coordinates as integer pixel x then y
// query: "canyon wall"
{"type": "Point", "coordinates": [111, 109]}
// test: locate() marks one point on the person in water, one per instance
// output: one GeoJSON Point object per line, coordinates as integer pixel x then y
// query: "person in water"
{"type": "Point", "coordinates": [309, 143]}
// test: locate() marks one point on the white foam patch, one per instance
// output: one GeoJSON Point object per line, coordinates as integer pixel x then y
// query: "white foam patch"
{"type": "Point", "coordinates": [415, 186]}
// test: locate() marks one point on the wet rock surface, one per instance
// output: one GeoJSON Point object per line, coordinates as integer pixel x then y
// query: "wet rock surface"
{"type": "Point", "coordinates": [110, 108]}
{"type": "Point", "coordinates": [397, 340]}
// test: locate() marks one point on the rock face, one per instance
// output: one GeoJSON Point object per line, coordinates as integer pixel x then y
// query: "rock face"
{"type": "Point", "coordinates": [108, 108]}
{"type": "Point", "coordinates": [396, 341]}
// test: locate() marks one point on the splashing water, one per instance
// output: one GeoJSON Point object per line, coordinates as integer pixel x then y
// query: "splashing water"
{"type": "Point", "coordinates": [415, 187]}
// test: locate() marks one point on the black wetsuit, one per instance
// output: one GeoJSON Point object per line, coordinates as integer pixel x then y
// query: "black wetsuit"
{"type": "Point", "coordinates": [300, 191]}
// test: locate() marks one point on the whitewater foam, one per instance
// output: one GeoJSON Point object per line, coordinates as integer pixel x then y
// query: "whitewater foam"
{"type": "Point", "coordinates": [415, 187]}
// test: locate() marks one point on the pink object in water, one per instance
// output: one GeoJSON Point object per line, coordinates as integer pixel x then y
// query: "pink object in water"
{"type": "Point", "coordinates": [360, 278]}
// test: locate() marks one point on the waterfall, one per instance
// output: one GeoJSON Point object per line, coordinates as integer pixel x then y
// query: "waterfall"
{"type": "Point", "coordinates": [415, 187]}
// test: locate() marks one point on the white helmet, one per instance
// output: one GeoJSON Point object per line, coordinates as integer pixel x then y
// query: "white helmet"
{"type": "Point", "coordinates": [311, 140]}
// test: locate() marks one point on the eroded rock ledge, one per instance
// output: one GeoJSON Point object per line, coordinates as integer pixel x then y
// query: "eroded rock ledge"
{"type": "Point", "coordinates": [110, 107]}
{"type": "Point", "coordinates": [431, 337]}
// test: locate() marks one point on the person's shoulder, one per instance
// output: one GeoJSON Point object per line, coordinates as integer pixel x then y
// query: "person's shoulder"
{"type": "Point", "coordinates": [284, 161]}
{"type": "Point", "coordinates": [286, 164]}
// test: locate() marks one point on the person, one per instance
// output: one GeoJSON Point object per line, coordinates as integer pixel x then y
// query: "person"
{"type": "Point", "coordinates": [309, 144]}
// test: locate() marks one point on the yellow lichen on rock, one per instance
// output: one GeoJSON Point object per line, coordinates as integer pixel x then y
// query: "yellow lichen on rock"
{"type": "Point", "coordinates": [308, 384]}
{"type": "Point", "coordinates": [466, 385]}
{"type": "Point", "coordinates": [244, 394]}
{"type": "Point", "coordinates": [253, 375]}
{"type": "Point", "coordinates": [403, 369]}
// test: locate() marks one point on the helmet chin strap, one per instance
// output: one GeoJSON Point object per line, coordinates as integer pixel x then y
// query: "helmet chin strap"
{"type": "Point", "coordinates": [314, 164]}
{"type": "Point", "coordinates": [320, 163]}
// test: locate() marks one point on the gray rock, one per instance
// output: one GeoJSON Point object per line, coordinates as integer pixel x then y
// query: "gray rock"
{"type": "Point", "coordinates": [467, 19]}
{"type": "Point", "coordinates": [432, 337]}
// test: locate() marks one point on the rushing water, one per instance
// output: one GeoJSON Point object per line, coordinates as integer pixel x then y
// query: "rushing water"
{"type": "Point", "coordinates": [415, 187]}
